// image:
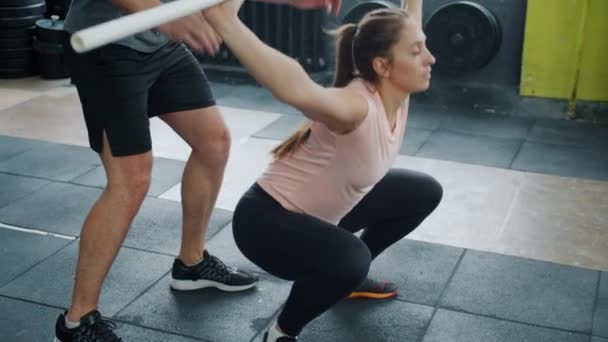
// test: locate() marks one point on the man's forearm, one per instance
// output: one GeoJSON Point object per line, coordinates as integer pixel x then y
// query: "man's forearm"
{"type": "Point", "coordinates": [414, 7]}
{"type": "Point", "coordinates": [135, 5]}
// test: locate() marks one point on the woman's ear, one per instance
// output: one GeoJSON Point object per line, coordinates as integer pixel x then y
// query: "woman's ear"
{"type": "Point", "coordinates": [381, 67]}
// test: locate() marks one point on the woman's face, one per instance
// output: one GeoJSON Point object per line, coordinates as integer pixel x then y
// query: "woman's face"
{"type": "Point", "coordinates": [410, 68]}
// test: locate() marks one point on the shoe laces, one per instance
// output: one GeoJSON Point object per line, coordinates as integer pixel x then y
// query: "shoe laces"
{"type": "Point", "coordinates": [219, 268]}
{"type": "Point", "coordinates": [101, 330]}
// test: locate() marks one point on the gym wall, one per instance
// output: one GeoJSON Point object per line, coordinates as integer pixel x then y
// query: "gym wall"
{"type": "Point", "coordinates": [565, 52]}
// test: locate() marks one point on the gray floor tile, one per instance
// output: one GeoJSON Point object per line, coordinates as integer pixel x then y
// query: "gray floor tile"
{"type": "Point", "coordinates": [569, 133]}
{"type": "Point", "coordinates": [158, 226]}
{"type": "Point", "coordinates": [523, 290]}
{"type": "Point", "coordinates": [21, 321]}
{"type": "Point", "coordinates": [367, 320]}
{"type": "Point", "coordinates": [460, 327]}
{"type": "Point", "coordinates": [281, 128]}
{"type": "Point", "coordinates": [423, 270]}
{"type": "Point", "coordinates": [166, 173]}
{"type": "Point", "coordinates": [600, 324]}
{"type": "Point", "coordinates": [10, 146]}
{"type": "Point", "coordinates": [473, 149]}
{"type": "Point", "coordinates": [21, 251]}
{"type": "Point", "coordinates": [209, 313]}
{"type": "Point", "coordinates": [414, 139]}
{"type": "Point", "coordinates": [52, 161]}
{"type": "Point", "coordinates": [131, 274]}
{"type": "Point", "coordinates": [497, 126]}
{"type": "Point", "coordinates": [15, 187]}
{"type": "Point", "coordinates": [130, 332]}
{"type": "Point", "coordinates": [58, 208]}
{"type": "Point", "coordinates": [562, 161]}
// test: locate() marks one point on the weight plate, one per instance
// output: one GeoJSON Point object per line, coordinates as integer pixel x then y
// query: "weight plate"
{"type": "Point", "coordinates": [463, 36]}
{"type": "Point", "coordinates": [23, 11]}
{"type": "Point", "coordinates": [23, 22]}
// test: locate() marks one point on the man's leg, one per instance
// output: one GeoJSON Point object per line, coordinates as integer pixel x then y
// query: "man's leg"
{"type": "Point", "coordinates": [206, 133]}
{"type": "Point", "coordinates": [106, 226]}
{"type": "Point", "coordinates": [182, 98]}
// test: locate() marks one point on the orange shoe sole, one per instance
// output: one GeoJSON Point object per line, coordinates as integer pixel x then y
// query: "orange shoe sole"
{"type": "Point", "coordinates": [372, 295]}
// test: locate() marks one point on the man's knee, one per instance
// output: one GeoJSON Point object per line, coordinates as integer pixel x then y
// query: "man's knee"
{"type": "Point", "coordinates": [214, 148]}
{"type": "Point", "coordinates": [130, 177]}
{"type": "Point", "coordinates": [139, 184]}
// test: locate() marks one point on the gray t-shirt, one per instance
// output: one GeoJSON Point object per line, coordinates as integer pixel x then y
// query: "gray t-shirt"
{"type": "Point", "coordinates": [85, 13]}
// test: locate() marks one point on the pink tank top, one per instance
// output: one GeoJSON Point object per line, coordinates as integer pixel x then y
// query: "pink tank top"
{"type": "Point", "coordinates": [330, 173]}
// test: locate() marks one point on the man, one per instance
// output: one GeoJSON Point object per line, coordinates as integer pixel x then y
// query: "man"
{"type": "Point", "coordinates": [121, 86]}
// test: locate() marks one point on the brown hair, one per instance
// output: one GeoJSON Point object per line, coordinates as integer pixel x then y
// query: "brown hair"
{"type": "Point", "coordinates": [356, 47]}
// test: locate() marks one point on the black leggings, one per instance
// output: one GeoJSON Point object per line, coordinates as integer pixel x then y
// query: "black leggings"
{"type": "Point", "coordinates": [327, 262]}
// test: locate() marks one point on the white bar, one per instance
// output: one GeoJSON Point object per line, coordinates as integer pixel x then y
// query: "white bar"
{"type": "Point", "coordinates": [123, 27]}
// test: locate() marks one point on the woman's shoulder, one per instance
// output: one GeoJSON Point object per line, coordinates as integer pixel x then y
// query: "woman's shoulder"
{"type": "Point", "coordinates": [362, 88]}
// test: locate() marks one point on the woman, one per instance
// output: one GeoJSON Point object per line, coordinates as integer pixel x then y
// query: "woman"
{"type": "Point", "coordinates": [332, 178]}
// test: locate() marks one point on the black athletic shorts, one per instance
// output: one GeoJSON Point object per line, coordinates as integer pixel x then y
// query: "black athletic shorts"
{"type": "Point", "coordinates": [121, 88]}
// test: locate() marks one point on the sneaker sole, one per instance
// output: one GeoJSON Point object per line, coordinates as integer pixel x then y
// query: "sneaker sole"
{"type": "Point", "coordinates": [190, 285]}
{"type": "Point", "coordinates": [372, 295]}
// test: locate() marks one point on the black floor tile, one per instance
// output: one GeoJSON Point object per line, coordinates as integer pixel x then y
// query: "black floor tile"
{"type": "Point", "coordinates": [281, 128]}
{"type": "Point", "coordinates": [58, 208]}
{"type": "Point", "coordinates": [456, 96]}
{"type": "Point", "coordinates": [414, 139]}
{"type": "Point", "coordinates": [562, 161]}
{"type": "Point", "coordinates": [425, 117]}
{"type": "Point", "coordinates": [158, 226]}
{"type": "Point", "coordinates": [600, 324]}
{"type": "Point", "coordinates": [523, 290]}
{"type": "Point", "coordinates": [255, 98]}
{"type": "Point", "coordinates": [460, 327]}
{"type": "Point", "coordinates": [569, 133]}
{"type": "Point", "coordinates": [52, 161]}
{"type": "Point", "coordinates": [130, 332]}
{"type": "Point", "coordinates": [369, 320]}
{"type": "Point", "coordinates": [13, 188]}
{"type": "Point", "coordinates": [24, 322]}
{"type": "Point", "coordinates": [497, 126]}
{"type": "Point", "coordinates": [423, 271]}
{"type": "Point", "coordinates": [51, 281]}
{"type": "Point", "coordinates": [209, 313]}
{"type": "Point", "coordinates": [166, 173]}
{"type": "Point", "coordinates": [223, 246]}
{"type": "Point", "coordinates": [220, 89]}
{"type": "Point", "coordinates": [22, 250]}
{"type": "Point", "coordinates": [473, 149]}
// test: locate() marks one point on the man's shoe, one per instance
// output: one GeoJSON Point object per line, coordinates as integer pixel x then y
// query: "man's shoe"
{"type": "Point", "coordinates": [93, 328]}
{"type": "Point", "coordinates": [375, 290]}
{"type": "Point", "coordinates": [211, 272]}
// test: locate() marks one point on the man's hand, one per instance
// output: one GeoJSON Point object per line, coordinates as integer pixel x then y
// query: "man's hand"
{"type": "Point", "coordinates": [194, 31]}
{"type": "Point", "coordinates": [331, 6]}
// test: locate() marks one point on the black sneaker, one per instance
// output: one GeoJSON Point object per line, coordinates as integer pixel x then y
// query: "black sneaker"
{"type": "Point", "coordinates": [93, 328]}
{"type": "Point", "coordinates": [280, 339]}
{"type": "Point", "coordinates": [211, 272]}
